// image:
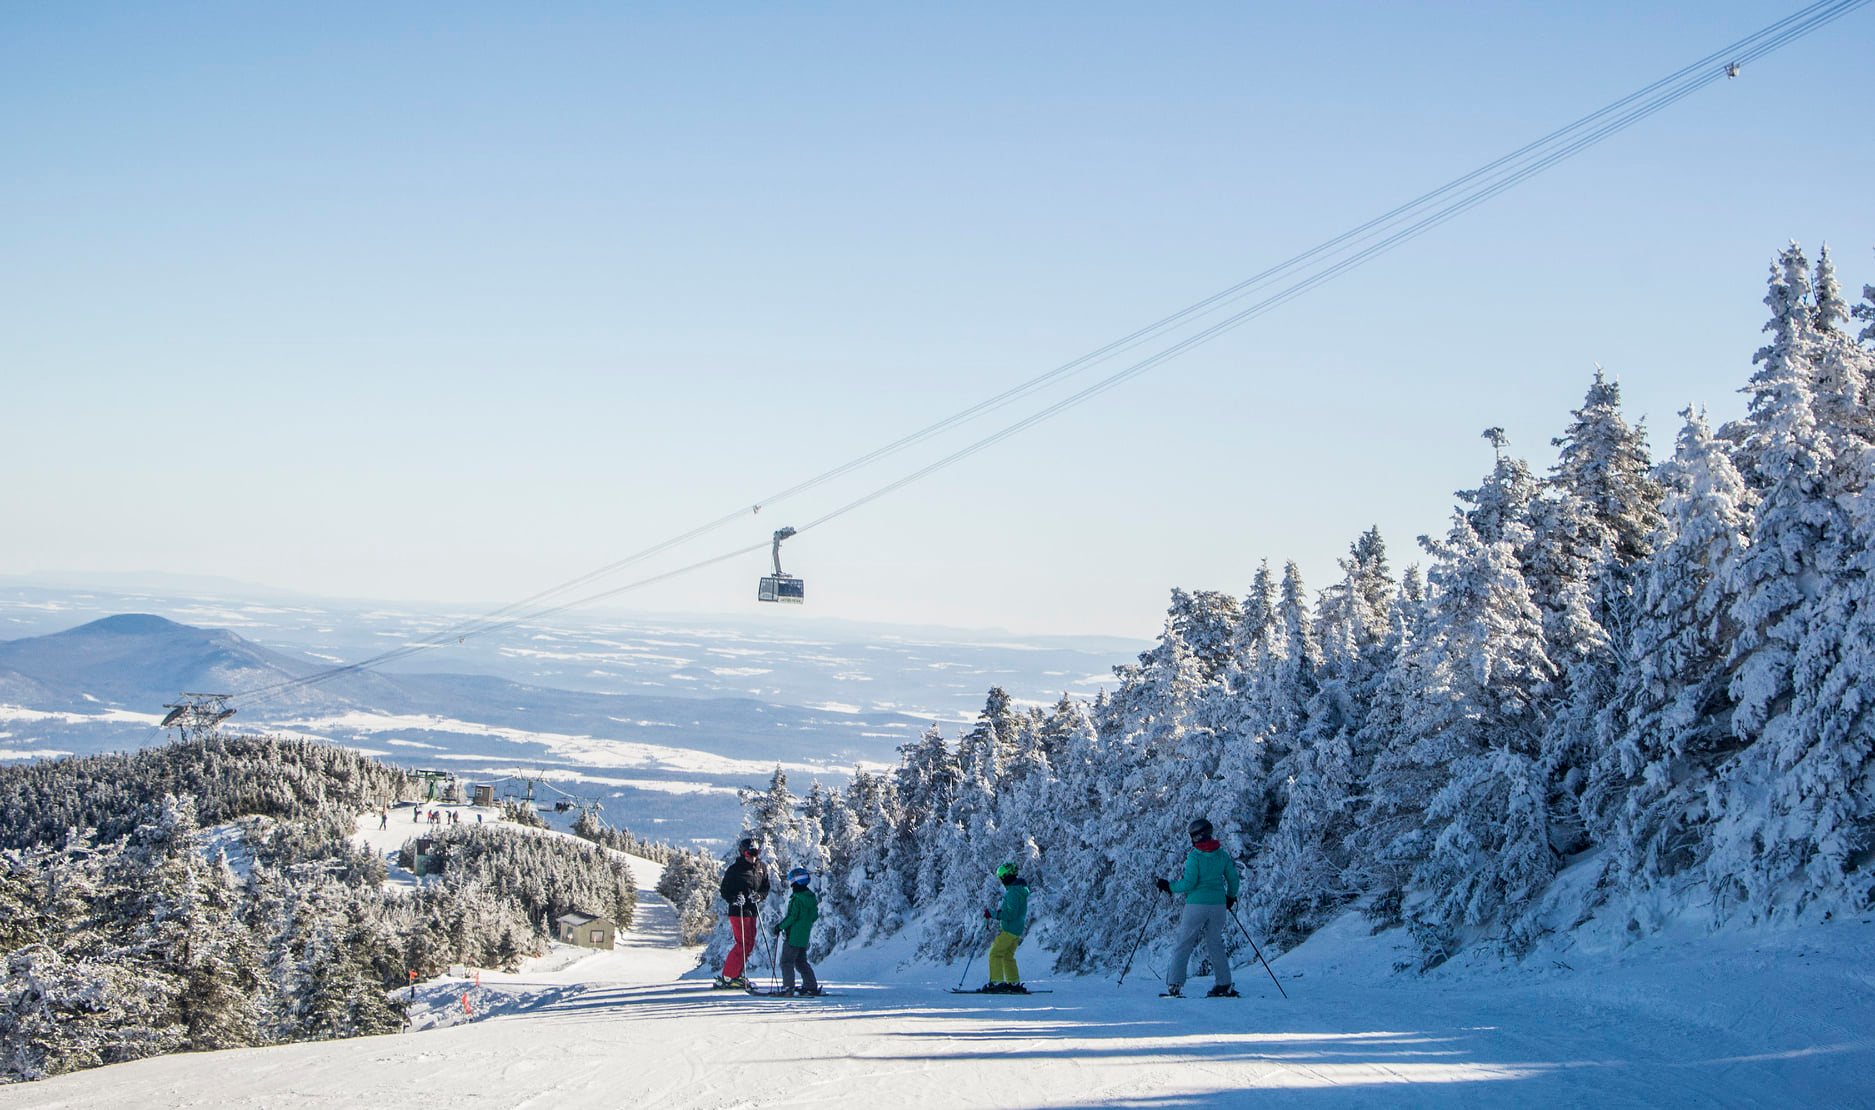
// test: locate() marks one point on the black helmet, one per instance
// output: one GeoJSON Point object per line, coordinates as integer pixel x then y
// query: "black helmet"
{"type": "Point", "coordinates": [749, 845]}
{"type": "Point", "coordinates": [1199, 829]}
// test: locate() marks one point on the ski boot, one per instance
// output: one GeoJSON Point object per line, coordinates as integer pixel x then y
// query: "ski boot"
{"type": "Point", "coordinates": [1222, 990]}
{"type": "Point", "coordinates": [1014, 988]}
{"type": "Point", "coordinates": [1171, 992]}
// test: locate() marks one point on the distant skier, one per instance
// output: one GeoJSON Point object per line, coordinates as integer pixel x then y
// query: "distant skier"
{"type": "Point", "coordinates": [798, 924]}
{"type": "Point", "coordinates": [384, 818]}
{"type": "Point", "coordinates": [744, 886]}
{"type": "Point", "coordinates": [1013, 917]}
{"type": "Point", "coordinates": [1209, 885]}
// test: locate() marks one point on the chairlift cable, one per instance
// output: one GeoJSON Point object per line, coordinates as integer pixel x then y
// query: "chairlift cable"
{"type": "Point", "coordinates": [1408, 233]}
{"type": "Point", "coordinates": [1754, 46]}
{"type": "Point", "coordinates": [1807, 17]}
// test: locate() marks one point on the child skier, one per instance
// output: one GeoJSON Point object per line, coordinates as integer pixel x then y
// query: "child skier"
{"type": "Point", "coordinates": [1013, 917]}
{"type": "Point", "coordinates": [798, 924]}
{"type": "Point", "coordinates": [744, 886]}
{"type": "Point", "coordinates": [1209, 885]}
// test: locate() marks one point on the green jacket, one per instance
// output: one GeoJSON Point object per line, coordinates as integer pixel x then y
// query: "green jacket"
{"type": "Point", "coordinates": [1209, 878]}
{"type": "Point", "coordinates": [798, 922]}
{"type": "Point", "coordinates": [1013, 915]}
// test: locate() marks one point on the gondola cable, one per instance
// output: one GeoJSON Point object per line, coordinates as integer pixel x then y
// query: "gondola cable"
{"type": "Point", "coordinates": [1677, 87]}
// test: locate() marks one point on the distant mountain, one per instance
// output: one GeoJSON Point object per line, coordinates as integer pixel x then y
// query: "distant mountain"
{"type": "Point", "coordinates": [17, 689]}
{"type": "Point", "coordinates": [137, 661]}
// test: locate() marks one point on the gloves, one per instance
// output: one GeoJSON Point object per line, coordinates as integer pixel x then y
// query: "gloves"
{"type": "Point", "coordinates": [1164, 886]}
{"type": "Point", "coordinates": [777, 930]}
{"type": "Point", "coordinates": [988, 916]}
{"type": "Point", "coordinates": [1229, 903]}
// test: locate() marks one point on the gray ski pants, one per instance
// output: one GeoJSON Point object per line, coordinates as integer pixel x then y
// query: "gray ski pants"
{"type": "Point", "coordinates": [1205, 923]}
{"type": "Point", "coordinates": [795, 959]}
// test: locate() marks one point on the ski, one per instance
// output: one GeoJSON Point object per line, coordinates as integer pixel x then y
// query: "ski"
{"type": "Point", "coordinates": [1013, 994]}
{"type": "Point", "coordinates": [763, 992]}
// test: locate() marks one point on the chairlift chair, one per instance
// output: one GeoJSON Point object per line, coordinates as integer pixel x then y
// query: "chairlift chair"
{"type": "Point", "coordinates": [781, 586]}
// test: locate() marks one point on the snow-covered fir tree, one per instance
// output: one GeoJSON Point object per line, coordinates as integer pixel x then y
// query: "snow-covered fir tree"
{"type": "Point", "coordinates": [1667, 720]}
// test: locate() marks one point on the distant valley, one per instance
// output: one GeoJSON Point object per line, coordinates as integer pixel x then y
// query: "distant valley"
{"type": "Point", "coordinates": [658, 719]}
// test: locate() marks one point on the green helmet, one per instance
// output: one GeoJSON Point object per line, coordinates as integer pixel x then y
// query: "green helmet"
{"type": "Point", "coordinates": [1006, 871]}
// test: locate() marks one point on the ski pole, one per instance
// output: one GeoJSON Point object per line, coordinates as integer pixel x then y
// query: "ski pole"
{"type": "Point", "coordinates": [1137, 941]}
{"type": "Point", "coordinates": [1259, 952]}
{"type": "Point", "coordinates": [1166, 858]}
{"type": "Point", "coordinates": [774, 961]}
{"type": "Point", "coordinates": [966, 974]}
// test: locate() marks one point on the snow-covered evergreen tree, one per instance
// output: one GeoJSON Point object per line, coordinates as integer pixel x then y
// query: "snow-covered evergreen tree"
{"type": "Point", "coordinates": [1666, 723]}
{"type": "Point", "coordinates": [1503, 500]}
{"type": "Point", "coordinates": [1300, 869]}
{"type": "Point", "coordinates": [1472, 733]}
{"type": "Point", "coordinates": [1844, 370]}
{"type": "Point", "coordinates": [1866, 311]}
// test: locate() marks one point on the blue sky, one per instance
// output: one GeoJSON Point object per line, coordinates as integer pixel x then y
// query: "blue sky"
{"type": "Point", "coordinates": [456, 303]}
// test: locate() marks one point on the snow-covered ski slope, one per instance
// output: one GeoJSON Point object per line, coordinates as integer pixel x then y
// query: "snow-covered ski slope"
{"type": "Point", "coordinates": [1782, 1019]}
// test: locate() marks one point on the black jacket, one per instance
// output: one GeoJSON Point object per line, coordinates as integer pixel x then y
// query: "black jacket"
{"type": "Point", "coordinates": [744, 886]}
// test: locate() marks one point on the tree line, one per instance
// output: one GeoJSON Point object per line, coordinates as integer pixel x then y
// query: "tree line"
{"type": "Point", "coordinates": [1659, 671]}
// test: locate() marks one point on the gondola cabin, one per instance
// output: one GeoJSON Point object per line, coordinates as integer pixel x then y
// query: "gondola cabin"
{"type": "Point", "coordinates": [781, 586]}
{"type": "Point", "coordinates": [785, 588]}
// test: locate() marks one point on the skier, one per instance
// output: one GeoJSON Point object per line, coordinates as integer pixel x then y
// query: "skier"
{"type": "Point", "coordinates": [1209, 885]}
{"type": "Point", "coordinates": [745, 884]}
{"type": "Point", "coordinates": [384, 818]}
{"type": "Point", "coordinates": [1013, 917]}
{"type": "Point", "coordinates": [798, 924]}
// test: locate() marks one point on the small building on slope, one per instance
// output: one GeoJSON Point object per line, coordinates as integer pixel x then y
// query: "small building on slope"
{"type": "Point", "coordinates": [584, 929]}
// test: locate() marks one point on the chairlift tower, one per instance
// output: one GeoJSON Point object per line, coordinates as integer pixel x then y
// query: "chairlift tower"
{"type": "Point", "coordinates": [196, 714]}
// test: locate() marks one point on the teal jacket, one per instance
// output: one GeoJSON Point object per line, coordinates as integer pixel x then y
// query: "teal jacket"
{"type": "Point", "coordinates": [1014, 913]}
{"type": "Point", "coordinates": [1209, 878]}
{"type": "Point", "coordinates": [798, 922]}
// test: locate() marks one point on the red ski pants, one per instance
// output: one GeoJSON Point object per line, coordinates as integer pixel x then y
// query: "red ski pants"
{"type": "Point", "coordinates": [743, 929]}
